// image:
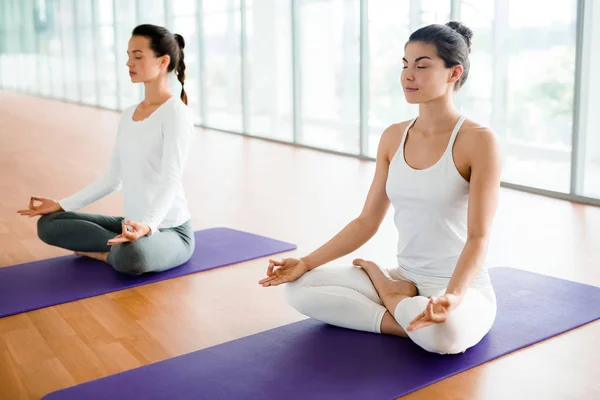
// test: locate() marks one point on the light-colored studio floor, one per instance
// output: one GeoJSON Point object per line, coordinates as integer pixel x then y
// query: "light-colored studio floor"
{"type": "Point", "coordinates": [51, 148]}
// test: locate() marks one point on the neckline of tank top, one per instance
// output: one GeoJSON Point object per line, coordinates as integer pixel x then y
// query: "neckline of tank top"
{"type": "Point", "coordinates": [449, 145]}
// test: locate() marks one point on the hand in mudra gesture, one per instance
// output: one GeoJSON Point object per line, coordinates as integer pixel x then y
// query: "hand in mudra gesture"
{"type": "Point", "coordinates": [137, 231]}
{"type": "Point", "coordinates": [286, 270]}
{"type": "Point", "coordinates": [45, 206]}
{"type": "Point", "coordinates": [437, 311]}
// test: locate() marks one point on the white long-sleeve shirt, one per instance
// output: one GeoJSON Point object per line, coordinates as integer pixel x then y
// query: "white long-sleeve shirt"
{"type": "Point", "coordinates": [147, 161]}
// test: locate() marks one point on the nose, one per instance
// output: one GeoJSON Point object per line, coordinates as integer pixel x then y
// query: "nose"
{"type": "Point", "coordinates": [407, 75]}
{"type": "Point", "coordinates": [128, 64]}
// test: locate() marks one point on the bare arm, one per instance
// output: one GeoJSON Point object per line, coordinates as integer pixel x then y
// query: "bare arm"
{"type": "Point", "coordinates": [483, 200]}
{"type": "Point", "coordinates": [364, 227]}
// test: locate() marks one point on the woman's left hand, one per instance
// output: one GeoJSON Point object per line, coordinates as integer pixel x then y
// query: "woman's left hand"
{"type": "Point", "coordinates": [137, 231]}
{"type": "Point", "coordinates": [437, 311]}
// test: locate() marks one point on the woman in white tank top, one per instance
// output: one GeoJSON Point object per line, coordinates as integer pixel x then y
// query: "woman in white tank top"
{"type": "Point", "coordinates": [441, 173]}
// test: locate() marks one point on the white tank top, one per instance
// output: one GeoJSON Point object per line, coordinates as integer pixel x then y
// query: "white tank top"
{"type": "Point", "coordinates": [430, 214]}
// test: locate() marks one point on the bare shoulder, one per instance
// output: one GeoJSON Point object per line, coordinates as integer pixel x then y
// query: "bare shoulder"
{"type": "Point", "coordinates": [478, 140]}
{"type": "Point", "coordinates": [391, 138]}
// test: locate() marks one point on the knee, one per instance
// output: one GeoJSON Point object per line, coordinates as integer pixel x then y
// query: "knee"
{"type": "Point", "coordinates": [443, 338]}
{"type": "Point", "coordinates": [128, 258]}
{"type": "Point", "coordinates": [447, 338]}
{"type": "Point", "coordinates": [46, 228]}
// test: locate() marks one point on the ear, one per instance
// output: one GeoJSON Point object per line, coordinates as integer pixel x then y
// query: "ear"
{"type": "Point", "coordinates": [455, 73]}
{"type": "Point", "coordinates": [164, 62]}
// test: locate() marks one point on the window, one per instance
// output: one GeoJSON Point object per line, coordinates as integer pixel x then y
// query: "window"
{"type": "Point", "coordinates": [106, 75]}
{"type": "Point", "coordinates": [590, 117]}
{"type": "Point", "coordinates": [129, 93]}
{"type": "Point", "coordinates": [152, 12]}
{"type": "Point", "coordinates": [390, 25]}
{"type": "Point", "coordinates": [222, 70]}
{"type": "Point", "coordinates": [67, 26]}
{"type": "Point", "coordinates": [187, 27]}
{"type": "Point", "coordinates": [388, 32]}
{"type": "Point", "coordinates": [106, 62]}
{"type": "Point", "coordinates": [211, 6]}
{"type": "Point", "coordinates": [87, 65]}
{"type": "Point", "coordinates": [475, 98]}
{"type": "Point", "coordinates": [269, 74]}
{"type": "Point", "coordinates": [329, 49]}
{"type": "Point", "coordinates": [54, 51]}
{"type": "Point", "coordinates": [522, 81]}
{"type": "Point", "coordinates": [185, 7]}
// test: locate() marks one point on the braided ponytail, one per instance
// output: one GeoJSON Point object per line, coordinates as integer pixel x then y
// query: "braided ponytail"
{"type": "Point", "coordinates": [180, 68]}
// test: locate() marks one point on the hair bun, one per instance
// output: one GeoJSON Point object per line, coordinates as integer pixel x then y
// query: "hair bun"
{"type": "Point", "coordinates": [463, 30]}
{"type": "Point", "coordinates": [180, 40]}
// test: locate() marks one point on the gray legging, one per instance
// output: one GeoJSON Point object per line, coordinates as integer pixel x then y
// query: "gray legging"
{"type": "Point", "coordinates": [166, 249]}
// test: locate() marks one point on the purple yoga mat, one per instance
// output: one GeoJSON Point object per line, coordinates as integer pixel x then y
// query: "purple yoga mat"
{"type": "Point", "coordinates": [44, 283]}
{"type": "Point", "coordinates": [311, 360]}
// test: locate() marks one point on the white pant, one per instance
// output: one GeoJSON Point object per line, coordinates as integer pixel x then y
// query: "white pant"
{"type": "Point", "coordinates": [346, 297]}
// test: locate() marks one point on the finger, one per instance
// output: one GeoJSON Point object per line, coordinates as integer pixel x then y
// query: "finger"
{"type": "Point", "coordinates": [417, 318]}
{"type": "Point", "coordinates": [124, 228]}
{"type": "Point", "coordinates": [277, 281]}
{"type": "Point", "coordinates": [443, 301]}
{"type": "Point", "coordinates": [114, 241]}
{"type": "Point", "coordinates": [25, 212]}
{"type": "Point", "coordinates": [429, 312]}
{"type": "Point", "coordinates": [417, 321]}
{"type": "Point", "coordinates": [129, 234]}
{"type": "Point", "coordinates": [132, 224]}
{"type": "Point", "coordinates": [31, 205]}
{"type": "Point", "coordinates": [267, 279]}
{"type": "Point", "coordinates": [118, 237]}
{"type": "Point", "coordinates": [439, 318]}
{"type": "Point", "coordinates": [419, 325]}
{"type": "Point", "coordinates": [33, 213]}
{"type": "Point", "coordinates": [278, 263]}
{"type": "Point", "coordinates": [421, 315]}
{"type": "Point", "coordinates": [270, 269]}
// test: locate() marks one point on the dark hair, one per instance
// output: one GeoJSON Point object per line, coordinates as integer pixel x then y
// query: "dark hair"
{"type": "Point", "coordinates": [163, 42]}
{"type": "Point", "coordinates": [453, 44]}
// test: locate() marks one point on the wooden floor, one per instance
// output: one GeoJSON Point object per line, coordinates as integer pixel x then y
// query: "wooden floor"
{"type": "Point", "coordinates": [51, 149]}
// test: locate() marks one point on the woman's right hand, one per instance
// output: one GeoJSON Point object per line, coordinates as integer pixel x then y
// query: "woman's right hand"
{"type": "Point", "coordinates": [288, 270]}
{"type": "Point", "coordinates": [47, 206]}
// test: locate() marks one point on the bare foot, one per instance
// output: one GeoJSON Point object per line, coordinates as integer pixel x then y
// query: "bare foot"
{"type": "Point", "coordinates": [101, 256]}
{"type": "Point", "coordinates": [391, 291]}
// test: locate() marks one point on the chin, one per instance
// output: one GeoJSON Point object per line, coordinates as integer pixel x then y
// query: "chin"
{"type": "Point", "coordinates": [412, 98]}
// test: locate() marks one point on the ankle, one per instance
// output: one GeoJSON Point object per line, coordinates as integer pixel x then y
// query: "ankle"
{"type": "Point", "coordinates": [389, 326]}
